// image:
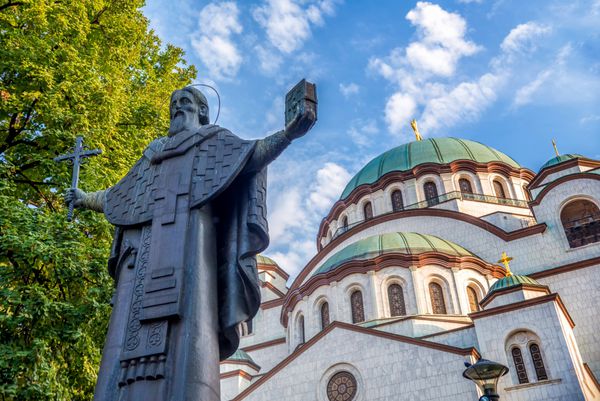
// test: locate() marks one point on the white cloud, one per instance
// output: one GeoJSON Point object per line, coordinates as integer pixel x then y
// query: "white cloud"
{"type": "Point", "coordinates": [525, 93]}
{"type": "Point", "coordinates": [349, 90]}
{"type": "Point", "coordinates": [523, 37]}
{"type": "Point", "coordinates": [470, 1]}
{"type": "Point", "coordinates": [441, 41]}
{"type": "Point", "coordinates": [589, 119]}
{"type": "Point", "coordinates": [423, 71]}
{"type": "Point", "coordinates": [288, 23]}
{"type": "Point", "coordinates": [213, 43]}
{"type": "Point", "coordinates": [269, 61]}
{"type": "Point", "coordinates": [362, 131]}
{"type": "Point", "coordinates": [331, 179]}
{"type": "Point", "coordinates": [399, 109]}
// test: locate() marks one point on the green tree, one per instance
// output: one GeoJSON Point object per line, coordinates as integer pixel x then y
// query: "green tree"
{"type": "Point", "coordinates": [68, 68]}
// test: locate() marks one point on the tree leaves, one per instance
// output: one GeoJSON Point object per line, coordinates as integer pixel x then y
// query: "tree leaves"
{"type": "Point", "coordinates": [90, 68]}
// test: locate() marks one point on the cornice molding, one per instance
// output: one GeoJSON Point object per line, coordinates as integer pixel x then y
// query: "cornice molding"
{"type": "Point", "coordinates": [265, 344]}
{"type": "Point", "coordinates": [346, 326]}
{"type": "Point", "coordinates": [518, 287]}
{"type": "Point", "coordinates": [577, 176]}
{"type": "Point", "coordinates": [559, 167]}
{"type": "Point", "coordinates": [235, 373]}
{"type": "Point", "coordinates": [566, 268]}
{"type": "Point", "coordinates": [525, 304]}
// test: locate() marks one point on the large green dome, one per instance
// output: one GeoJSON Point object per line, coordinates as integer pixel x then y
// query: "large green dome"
{"type": "Point", "coordinates": [433, 150]}
{"type": "Point", "coordinates": [407, 243]}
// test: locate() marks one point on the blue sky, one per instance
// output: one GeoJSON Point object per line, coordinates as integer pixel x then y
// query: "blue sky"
{"type": "Point", "coordinates": [510, 74]}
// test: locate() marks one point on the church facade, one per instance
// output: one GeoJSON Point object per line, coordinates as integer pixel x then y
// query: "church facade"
{"type": "Point", "coordinates": [411, 280]}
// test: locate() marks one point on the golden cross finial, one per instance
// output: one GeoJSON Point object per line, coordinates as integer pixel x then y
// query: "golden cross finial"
{"type": "Point", "coordinates": [413, 124]}
{"type": "Point", "coordinates": [555, 148]}
{"type": "Point", "coordinates": [505, 259]}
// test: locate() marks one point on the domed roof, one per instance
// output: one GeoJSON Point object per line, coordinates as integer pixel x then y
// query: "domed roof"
{"type": "Point", "coordinates": [242, 356]}
{"type": "Point", "coordinates": [559, 159]}
{"type": "Point", "coordinates": [432, 150]}
{"type": "Point", "coordinates": [407, 243]}
{"type": "Point", "coordinates": [512, 280]}
{"type": "Point", "coordinates": [265, 260]}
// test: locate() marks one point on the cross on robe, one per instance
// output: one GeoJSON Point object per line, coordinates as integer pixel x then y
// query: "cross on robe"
{"type": "Point", "coordinates": [169, 193]}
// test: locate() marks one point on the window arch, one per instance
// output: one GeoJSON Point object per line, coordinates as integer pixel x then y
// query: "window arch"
{"type": "Point", "coordinates": [525, 350]}
{"type": "Point", "coordinates": [581, 221]}
{"type": "Point", "coordinates": [358, 310]}
{"type": "Point", "coordinates": [246, 327]}
{"type": "Point", "coordinates": [519, 364]}
{"type": "Point", "coordinates": [499, 189]}
{"type": "Point", "coordinates": [465, 186]}
{"type": "Point", "coordinates": [396, 300]}
{"type": "Point", "coordinates": [345, 223]}
{"type": "Point", "coordinates": [473, 299]}
{"type": "Point", "coordinates": [368, 211]}
{"type": "Point", "coordinates": [538, 361]}
{"type": "Point", "coordinates": [397, 202]}
{"type": "Point", "coordinates": [436, 293]}
{"type": "Point", "coordinates": [324, 315]}
{"type": "Point", "coordinates": [431, 193]}
{"type": "Point", "coordinates": [301, 332]}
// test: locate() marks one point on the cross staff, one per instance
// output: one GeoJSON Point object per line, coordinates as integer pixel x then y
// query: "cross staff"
{"type": "Point", "coordinates": [75, 159]}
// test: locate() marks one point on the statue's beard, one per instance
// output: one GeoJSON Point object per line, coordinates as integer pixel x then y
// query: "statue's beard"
{"type": "Point", "coordinates": [182, 121]}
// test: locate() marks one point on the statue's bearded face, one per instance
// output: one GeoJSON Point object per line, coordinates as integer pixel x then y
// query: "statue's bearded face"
{"type": "Point", "coordinates": [185, 112]}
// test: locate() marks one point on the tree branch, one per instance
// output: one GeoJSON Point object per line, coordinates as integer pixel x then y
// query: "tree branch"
{"type": "Point", "coordinates": [11, 4]}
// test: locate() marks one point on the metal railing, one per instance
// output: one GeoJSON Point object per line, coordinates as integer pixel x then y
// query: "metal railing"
{"type": "Point", "coordinates": [448, 196]}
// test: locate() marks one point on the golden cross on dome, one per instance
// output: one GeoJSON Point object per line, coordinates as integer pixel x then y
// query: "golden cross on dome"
{"type": "Point", "coordinates": [505, 259]}
{"type": "Point", "coordinates": [555, 148]}
{"type": "Point", "coordinates": [413, 124]}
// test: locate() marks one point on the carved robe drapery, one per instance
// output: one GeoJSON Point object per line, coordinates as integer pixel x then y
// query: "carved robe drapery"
{"type": "Point", "coordinates": [190, 217]}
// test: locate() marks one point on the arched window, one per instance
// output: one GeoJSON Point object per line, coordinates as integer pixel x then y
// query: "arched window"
{"type": "Point", "coordinates": [465, 186]}
{"type": "Point", "coordinates": [345, 224]}
{"type": "Point", "coordinates": [356, 303]}
{"type": "Point", "coordinates": [301, 334]}
{"type": "Point", "coordinates": [396, 300]}
{"type": "Point", "coordinates": [368, 211]}
{"type": "Point", "coordinates": [473, 299]}
{"type": "Point", "coordinates": [519, 365]}
{"type": "Point", "coordinates": [437, 299]}
{"type": "Point", "coordinates": [581, 222]}
{"type": "Point", "coordinates": [538, 362]}
{"type": "Point", "coordinates": [324, 315]}
{"type": "Point", "coordinates": [499, 189]}
{"type": "Point", "coordinates": [431, 193]}
{"type": "Point", "coordinates": [397, 203]}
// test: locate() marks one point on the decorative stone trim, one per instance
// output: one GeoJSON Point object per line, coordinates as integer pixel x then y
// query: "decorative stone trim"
{"type": "Point", "coordinates": [538, 179]}
{"type": "Point", "coordinates": [265, 344]}
{"type": "Point", "coordinates": [577, 176]}
{"type": "Point", "coordinates": [525, 304]}
{"type": "Point", "coordinates": [272, 303]}
{"type": "Point", "coordinates": [566, 268]}
{"type": "Point", "coordinates": [347, 326]}
{"type": "Point", "coordinates": [519, 287]}
{"type": "Point", "coordinates": [245, 363]}
{"type": "Point", "coordinates": [470, 326]}
{"type": "Point", "coordinates": [235, 373]}
{"type": "Point", "coordinates": [273, 268]}
{"type": "Point", "coordinates": [266, 284]}
{"type": "Point", "coordinates": [592, 375]}
{"type": "Point", "coordinates": [534, 384]}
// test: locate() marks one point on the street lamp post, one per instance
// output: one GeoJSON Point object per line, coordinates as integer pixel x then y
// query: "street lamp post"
{"type": "Point", "coordinates": [485, 374]}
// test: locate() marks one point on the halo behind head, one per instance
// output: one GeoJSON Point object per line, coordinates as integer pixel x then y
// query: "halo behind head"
{"type": "Point", "coordinates": [200, 99]}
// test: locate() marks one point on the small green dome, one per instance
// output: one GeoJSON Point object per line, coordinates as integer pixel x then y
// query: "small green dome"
{"type": "Point", "coordinates": [512, 281]}
{"type": "Point", "coordinates": [559, 159]}
{"type": "Point", "coordinates": [265, 260]}
{"type": "Point", "coordinates": [407, 243]}
{"type": "Point", "coordinates": [241, 356]}
{"type": "Point", "coordinates": [433, 150]}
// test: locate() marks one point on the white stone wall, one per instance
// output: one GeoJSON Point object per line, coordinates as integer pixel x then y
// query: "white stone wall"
{"type": "Point", "coordinates": [460, 338]}
{"type": "Point", "coordinates": [580, 292]}
{"type": "Point", "coordinates": [268, 357]}
{"type": "Point", "coordinates": [421, 325]}
{"type": "Point", "coordinates": [266, 327]}
{"type": "Point", "coordinates": [545, 321]}
{"type": "Point", "coordinates": [389, 369]}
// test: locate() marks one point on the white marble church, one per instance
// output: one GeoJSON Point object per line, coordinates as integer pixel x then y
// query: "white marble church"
{"type": "Point", "coordinates": [406, 285]}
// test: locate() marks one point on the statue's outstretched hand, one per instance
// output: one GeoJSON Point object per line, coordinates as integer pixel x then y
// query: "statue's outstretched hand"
{"type": "Point", "coordinates": [300, 125]}
{"type": "Point", "coordinates": [75, 195]}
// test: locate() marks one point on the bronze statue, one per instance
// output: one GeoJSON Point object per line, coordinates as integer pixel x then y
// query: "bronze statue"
{"type": "Point", "coordinates": [190, 217]}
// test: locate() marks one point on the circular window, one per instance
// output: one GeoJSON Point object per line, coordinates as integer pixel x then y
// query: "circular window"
{"type": "Point", "coordinates": [341, 387]}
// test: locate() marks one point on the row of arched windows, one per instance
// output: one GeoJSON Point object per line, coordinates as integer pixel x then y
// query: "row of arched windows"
{"type": "Point", "coordinates": [397, 305]}
{"type": "Point", "coordinates": [432, 196]}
